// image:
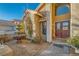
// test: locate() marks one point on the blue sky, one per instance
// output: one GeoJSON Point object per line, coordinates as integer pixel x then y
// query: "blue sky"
{"type": "Point", "coordinates": [62, 10]}
{"type": "Point", "coordinates": [10, 11]}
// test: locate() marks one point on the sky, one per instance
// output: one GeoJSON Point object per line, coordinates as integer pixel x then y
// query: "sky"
{"type": "Point", "coordinates": [63, 10]}
{"type": "Point", "coordinates": [10, 11]}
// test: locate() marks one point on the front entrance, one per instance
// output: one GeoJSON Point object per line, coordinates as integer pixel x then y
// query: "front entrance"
{"type": "Point", "coordinates": [62, 29]}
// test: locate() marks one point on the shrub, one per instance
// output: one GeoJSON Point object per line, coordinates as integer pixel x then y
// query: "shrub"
{"type": "Point", "coordinates": [74, 41]}
{"type": "Point", "coordinates": [36, 40]}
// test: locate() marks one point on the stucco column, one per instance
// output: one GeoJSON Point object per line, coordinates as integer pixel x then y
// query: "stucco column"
{"type": "Point", "coordinates": [71, 21]}
{"type": "Point", "coordinates": [33, 25]}
{"type": "Point", "coordinates": [49, 25]}
{"type": "Point", "coordinates": [49, 31]}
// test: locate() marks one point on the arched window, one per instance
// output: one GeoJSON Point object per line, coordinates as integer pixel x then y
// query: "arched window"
{"type": "Point", "coordinates": [62, 10]}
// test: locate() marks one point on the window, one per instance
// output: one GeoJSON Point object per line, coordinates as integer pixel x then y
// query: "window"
{"type": "Point", "coordinates": [65, 25]}
{"type": "Point", "coordinates": [62, 10]}
{"type": "Point", "coordinates": [58, 26]}
{"type": "Point", "coordinates": [44, 28]}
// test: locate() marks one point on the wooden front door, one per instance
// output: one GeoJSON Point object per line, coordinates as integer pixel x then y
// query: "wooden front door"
{"type": "Point", "coordinates": [62, 29]}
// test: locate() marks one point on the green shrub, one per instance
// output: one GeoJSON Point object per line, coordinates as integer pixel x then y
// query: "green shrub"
{"type": "Point", "coordinates": [36, 40]}
{"type": "Point", "coordinates": [74, 41]}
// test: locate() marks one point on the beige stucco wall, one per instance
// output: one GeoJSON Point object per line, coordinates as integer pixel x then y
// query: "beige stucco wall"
{"type": "Point", "coordinates": [75, 19]}
{"type": "Point", "coordinates": [31, 15]}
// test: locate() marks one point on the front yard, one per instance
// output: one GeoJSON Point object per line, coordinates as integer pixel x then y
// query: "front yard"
{"type": "Point", "coordinates": [27, 49]}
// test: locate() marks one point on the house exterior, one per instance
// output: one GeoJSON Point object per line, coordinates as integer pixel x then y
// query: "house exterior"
{"type": "Point", "coordinates": [57, 20]}
{"type": "Point", "coordinates": [50, 21]}
{"type": "Point", "coordinates": [7, 27]}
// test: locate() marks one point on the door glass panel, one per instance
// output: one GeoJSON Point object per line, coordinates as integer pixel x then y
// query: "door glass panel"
{"type": "Point", "coordinates": [58, 26]}
{"type": "Point", "coordinates": [65, 25]}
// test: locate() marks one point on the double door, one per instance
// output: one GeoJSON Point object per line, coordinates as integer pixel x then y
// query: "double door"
{"type": "Point", "coordinates": [62, 29]}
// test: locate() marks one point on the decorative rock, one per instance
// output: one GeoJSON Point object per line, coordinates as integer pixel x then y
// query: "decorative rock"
{"type": "Point", "coordinates": [5, 50]}
{"type": "Point", "coordinates": [77, 51]}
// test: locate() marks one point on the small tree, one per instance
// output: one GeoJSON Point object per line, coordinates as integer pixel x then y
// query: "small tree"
{"type": "Point", "coordinates": [20, 27]}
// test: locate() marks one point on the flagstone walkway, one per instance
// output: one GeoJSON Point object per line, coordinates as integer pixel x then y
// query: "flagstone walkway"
{"type": "Point", "coordinates": [56, 51]}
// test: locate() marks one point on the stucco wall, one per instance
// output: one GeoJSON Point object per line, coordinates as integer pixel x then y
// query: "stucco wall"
{"type": "Point", "coordinates": [75, 19]}
{"type": "Point", "coordinates": [48, 36]}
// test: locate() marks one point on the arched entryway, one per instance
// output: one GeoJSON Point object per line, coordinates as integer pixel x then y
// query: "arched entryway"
{"type": "Point", "coordinates": [62, 24]}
